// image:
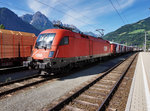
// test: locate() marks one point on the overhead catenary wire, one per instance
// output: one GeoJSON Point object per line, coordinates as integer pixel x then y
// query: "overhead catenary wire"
{"type": "Point", "coordinates": [86, 17]}
{"type": "Point", "coordinates": [120, 8]}
{"type": "Point", "coordinates": [117, 11]}
{"type": "Point", "coordinates": [73, 10]}
{"type": "Point", "coordinates": [60, 11]}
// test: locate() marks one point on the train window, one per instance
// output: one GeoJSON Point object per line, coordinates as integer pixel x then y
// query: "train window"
{"type": "Point", "coordinates": [64, 41]}
{"type": "Point", "coordinates": [45, 40]}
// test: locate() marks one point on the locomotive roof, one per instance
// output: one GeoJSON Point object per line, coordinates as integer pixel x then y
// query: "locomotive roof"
{"type": "Point", "coordinates": [65, 30]}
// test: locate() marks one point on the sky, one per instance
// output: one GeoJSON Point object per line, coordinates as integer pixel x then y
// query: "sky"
{"type": "Point", "coordinates": [87, 15]}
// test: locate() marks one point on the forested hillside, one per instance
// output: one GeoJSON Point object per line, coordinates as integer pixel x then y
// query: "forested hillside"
{"type": "Point", "coordinates": [131, 34]}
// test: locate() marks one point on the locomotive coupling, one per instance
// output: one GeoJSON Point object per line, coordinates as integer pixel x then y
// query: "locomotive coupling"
{"type": "Point", "coordinates": [26, 63]}
{"type": "Point", "coordinates": [45, 64]}
{"type": "Point", "coordinates": [42, 65]}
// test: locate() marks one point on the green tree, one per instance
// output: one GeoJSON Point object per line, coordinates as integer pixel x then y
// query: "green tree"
{"type": "Point", "coordinates": [2, 26]}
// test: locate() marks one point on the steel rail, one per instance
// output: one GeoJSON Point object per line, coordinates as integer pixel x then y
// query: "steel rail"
{"type": "Point", "coordinates": [9, 68]}
{"type": "Point", "coordinates": [17, 80]}
{"type": "Point", "coordinates": [12, 69]}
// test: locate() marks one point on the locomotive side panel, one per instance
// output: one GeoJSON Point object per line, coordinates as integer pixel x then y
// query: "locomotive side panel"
{"type": "Point", "coordinates": [82, 47]}
{"type": "Point", "coordinates": [101, 48]}
{"type": "Point", "coordinates": [76, 47]}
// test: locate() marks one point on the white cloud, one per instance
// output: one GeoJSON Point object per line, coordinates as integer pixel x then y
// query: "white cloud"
{"type": "Point", "coordinates": [36, 6]}
{"type": "Point", "coordinates": [126, 3]}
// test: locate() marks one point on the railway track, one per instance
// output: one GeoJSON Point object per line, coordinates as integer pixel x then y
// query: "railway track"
{"type": "Point", "coordinates": [97, 94]}
{"type": "Point", "coordinates": [18, 80]}
{"type": "Point", "coordinates": [13, 86]}
{"type": "Point", "coordinates": [12, 69]}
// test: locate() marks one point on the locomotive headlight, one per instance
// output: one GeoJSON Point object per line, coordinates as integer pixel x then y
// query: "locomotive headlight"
{"type": "Point", "coordinates": [51, 54]}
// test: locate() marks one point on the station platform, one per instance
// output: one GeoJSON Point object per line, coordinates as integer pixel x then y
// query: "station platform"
{"type": "Point", "coordinates": [139, 96]}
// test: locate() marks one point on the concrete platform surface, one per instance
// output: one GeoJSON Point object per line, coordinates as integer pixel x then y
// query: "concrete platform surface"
{"type": "Point", "coordinates": [139, 97]}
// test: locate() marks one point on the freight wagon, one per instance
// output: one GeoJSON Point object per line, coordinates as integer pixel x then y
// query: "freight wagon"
{"type": "Point", "coordinates": [15, 47]}
{"type": "Point", "coordinates": [117, 48]}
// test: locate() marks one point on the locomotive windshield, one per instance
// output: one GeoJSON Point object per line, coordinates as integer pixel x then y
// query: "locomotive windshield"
{"type": "Point", "coordinates": [45, 40]}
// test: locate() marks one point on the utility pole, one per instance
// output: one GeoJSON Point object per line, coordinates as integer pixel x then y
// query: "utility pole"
{"type": "Point", "coordinates": [145, 42]}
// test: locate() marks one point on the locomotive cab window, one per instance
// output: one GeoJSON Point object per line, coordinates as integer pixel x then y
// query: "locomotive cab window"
{"type": "Point", "coordinates": [45, 40]}
{"type": "Point", "coordinates": [64, 41]}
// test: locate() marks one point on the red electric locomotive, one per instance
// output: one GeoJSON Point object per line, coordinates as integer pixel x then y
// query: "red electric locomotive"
{"type": "Point", "coordinates": [57, 48]}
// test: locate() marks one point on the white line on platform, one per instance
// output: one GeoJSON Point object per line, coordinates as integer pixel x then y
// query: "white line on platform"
{"type": "Point", "coordinates": [147, 93]}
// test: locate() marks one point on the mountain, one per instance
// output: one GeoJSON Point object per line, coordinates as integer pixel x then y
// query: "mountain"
{"type": "Point", "coordinates": [38, 20]}
{"type": "Point", "coordinates": [12, 22]}
{"type": "Point", "coordinates": [131, 34]}
{"type": "Point", "coordinates": [27, 18]}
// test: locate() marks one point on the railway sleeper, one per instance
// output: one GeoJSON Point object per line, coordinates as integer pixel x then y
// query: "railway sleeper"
{"type": "Point", "coordinates": [116, 73]}
{"type": "Point", "coordinates": [112, 109]}
{"type": "Point", "coordinates": [90, 97]}
{"type": "Point", "coordinates": [86, 103]}
{"type": "Point", "coordinates": [105, 83]}
{"type": "Point", "coordinates": [71, 108]}
{"type": "Point", "coordinates": [113, 74]}
{"type": "Point", "coordinates": [100, 89]}
{"type": "Point", "coordinates": [84, 107]}
{"type": "Point", "coordinates": [108, 81]}
{"type": "Point", "coordinates": [96, 93]}
{"type": "Point", "coordinates": [83, 98]}
{"type": "Point", "coordinates": [102, 86]}
{"type": "Point", "coordinates": [111, 77]}
{"type": "Point", "coordinates": [19, 84]}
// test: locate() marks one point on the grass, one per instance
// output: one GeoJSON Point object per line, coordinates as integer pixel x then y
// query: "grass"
{"type": "Point", "coordinates": [122, 33]}
{"type": "Point", "coordinates": [148, 32]}
{"type": "Point", "coordinates": [141, 22]}
{"type": "Point", "coordinates": [137, 31]}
